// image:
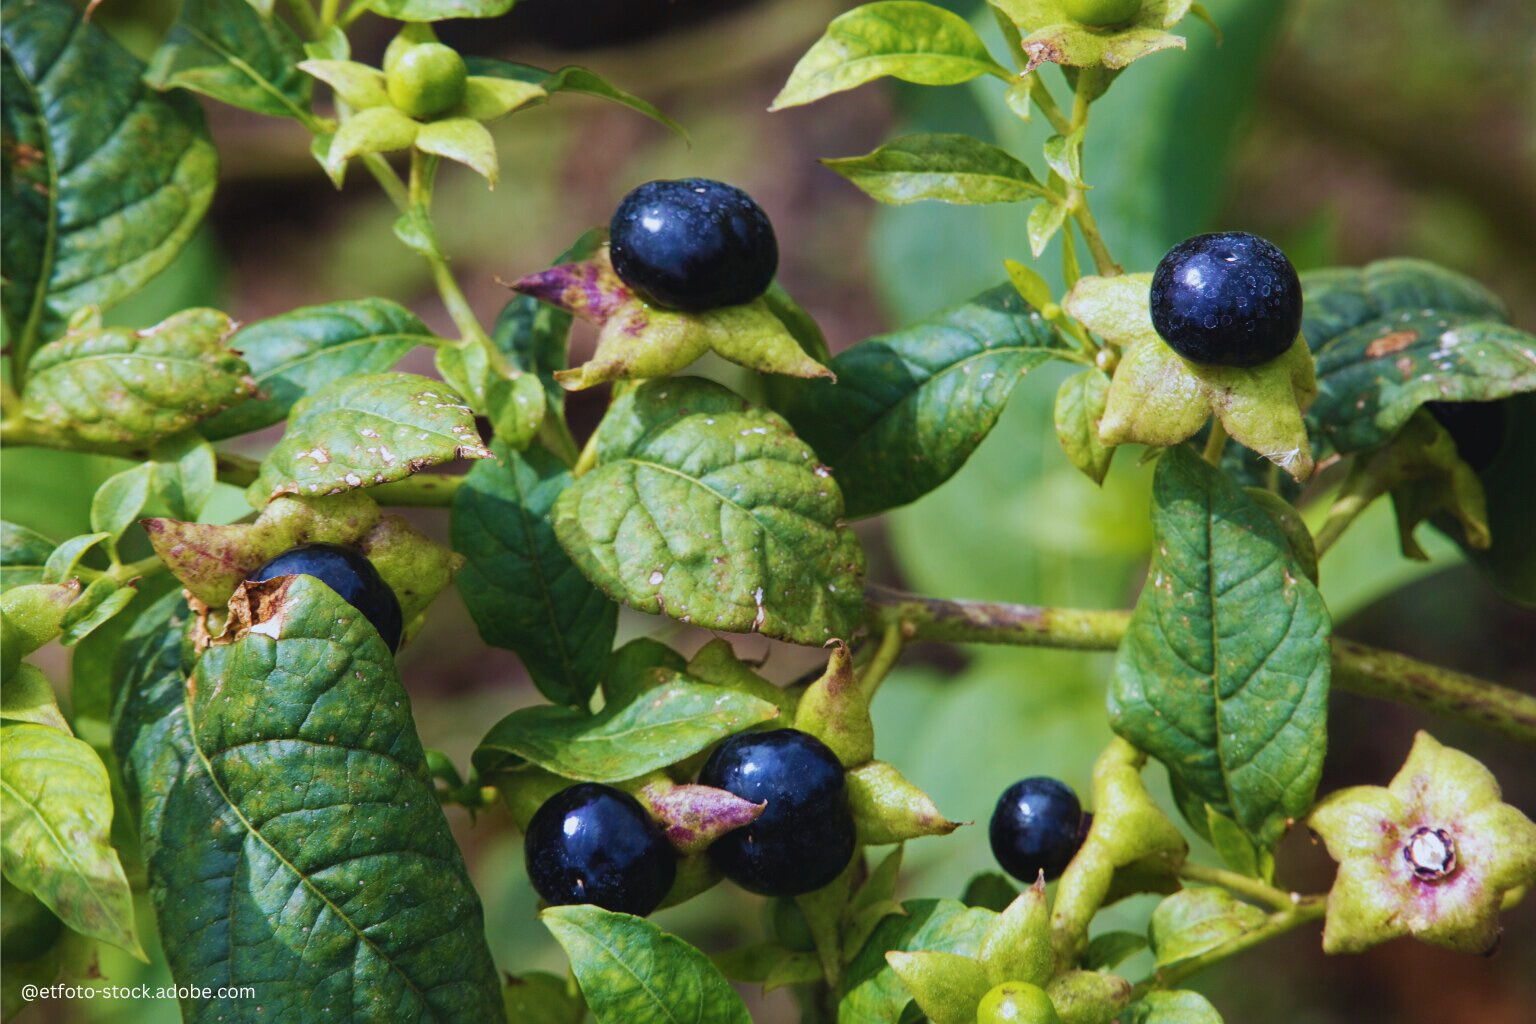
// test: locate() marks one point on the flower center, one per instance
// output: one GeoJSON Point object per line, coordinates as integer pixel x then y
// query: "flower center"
{"type": "Point", "coordinates": [1431, 853]}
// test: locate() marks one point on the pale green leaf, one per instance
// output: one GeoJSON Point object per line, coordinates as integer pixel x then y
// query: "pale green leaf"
{"type": "Point", "coordinates": [948, 168]}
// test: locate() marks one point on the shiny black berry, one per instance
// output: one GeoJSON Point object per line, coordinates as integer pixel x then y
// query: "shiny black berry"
{"type": "Point", "coordinates": [805, 836]}
{"type": "Point", "coordinates": [1228, 299]}
{"type": "Point", "coordinates": [346, 571]}
{"type": "Point", "coordinates": [1037, 826]}
{"type": "Point", "coordinates": [693, 244]}
{"type": "Point", "coordinates": [596, 844]}
{"type": "Point", "coordinates": [1478, 428]}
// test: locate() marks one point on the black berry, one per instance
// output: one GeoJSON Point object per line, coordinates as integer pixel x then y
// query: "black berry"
{"type": "Point", "coordinates": [596, 844]}
{"type": "Point", "coordinates": [693, 244]}
{"type": "Point", "coordinates": [346, 571]}
{"type": "Point", "coordinates": [1478, 428]}
{"type": "Point", "coordinates": [1228, 299]}
{"type": "Point", "coordinates": [805, 836]}
{"type": "Point", "coordinates": [1038, 826]}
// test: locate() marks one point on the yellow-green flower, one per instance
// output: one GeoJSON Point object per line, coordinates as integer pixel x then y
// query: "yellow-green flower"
{"type": "Point", "coordinates": [1432, 855]}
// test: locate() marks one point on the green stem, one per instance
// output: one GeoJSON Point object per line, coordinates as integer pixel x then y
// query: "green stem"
{"type": "Point", "coordinates": [1215, 442]}
{"type": "Point", "coordinates": [1357, 668]}
{"type": "Point", "coordinates": [1345, 509]}
{"type": "Point", "coordinates": [1077, 197]}
{"type": "Point", "coordinates": [328, 9]}
{"type": "Point", "coordinates": [588, 457]}
{"type": "Point", "coordinates": [1310, 908]}
{"type": "Point", "coordinates": [556, 436]}
{"type": "Point", "coordinates": [885, 658]}
{"type": "Point", "coordinates": [304, 16]}
{"type": "Point", "coordinates": [1275, 899]}
{"type": "Point", "coordinates": [1041, 95]}
{"type": "Point", "coordinates": [388, 180]}
{"type": "Point", "coordinates": [148, 566]}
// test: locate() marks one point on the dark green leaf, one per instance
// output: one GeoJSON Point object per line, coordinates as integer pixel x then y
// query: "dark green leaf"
{"type": "Point", "coordinates": [519, 585]}
{"type": "Point", "coordinates": [57, 805]}
{"type": "Point", "coordinates": [714, 512]}
{"type": "Point", "coordinates": [439, 10]}
{"type": "Point", "coordinates": [291, 834]}
{"type": "Point", "coordinates": [22, 555]}
{"type": "Point", "coordinates": [949, 168]}
{"type": "Point", "coordinates": [365, 430]}
{"type": "Point", "coordinates": [1371, 379]}
{"type": "Point", "coordinates": [1339, 299]}
{"type": "Point", "coordinates": [661, 726]}
{"type": "Point", "coordinates": [138, 167]}
{"type": "Point", "coordinates": [915, 42]}
{"type": "Point", "coordinates": [533, 334]}
{"type": "Point", "coordinates": [1109, 949]}
{"type": "Point", "coordinates": [909, 407]}
{"type": "Point", "coordinates": [991, 890]}
{"type": "Point", "coordinates": [872, 993]}
{"type": "Point", "coordinates": [634, 973]}
{"type": "Point", "coordinates": [1510, 561]}
{"type": "Point", "coordinates": [800, 324]}
{"type": "Point", "coordinates": [228, 50]}
{"type": "Point", "coordinates": [185, 473]}
{"type": "Point", "coordinates": [1223, 675]}
{"type": "Point", "coordinates": [119, 387]}
{"type": "Point", "coordinates": [298, 353]}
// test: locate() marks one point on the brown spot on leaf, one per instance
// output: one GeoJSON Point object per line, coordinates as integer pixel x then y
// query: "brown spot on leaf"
{"type": "Point", "coordinates": [1395, 341]}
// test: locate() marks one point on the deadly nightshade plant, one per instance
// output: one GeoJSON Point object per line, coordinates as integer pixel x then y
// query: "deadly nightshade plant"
{"type": "Point", "coordinates": [253, 736]}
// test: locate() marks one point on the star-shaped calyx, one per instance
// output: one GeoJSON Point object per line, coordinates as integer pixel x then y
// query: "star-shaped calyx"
{"type": "Point", "coordinates": [1431, 855]}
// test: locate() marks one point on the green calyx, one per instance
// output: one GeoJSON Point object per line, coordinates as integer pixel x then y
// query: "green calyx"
{"type": "Point", "coordinates": [426, 80]}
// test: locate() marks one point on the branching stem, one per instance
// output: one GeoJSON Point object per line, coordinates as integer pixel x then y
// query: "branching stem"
{"type": "Point", "coordinates": [1357, 668]}
{"type": "Point", "coordinates": [1243, 885]}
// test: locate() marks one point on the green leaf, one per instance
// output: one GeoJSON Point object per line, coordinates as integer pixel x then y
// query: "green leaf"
{"type": "Point", "coordinates": [374, 130]}
{"type": "Point", "coordinates": [1054, 36]}
{"type": "Point", "coordinates": [540, 998]}
{"type": "Point", "coordinates": [185, 473]}
{"type": "Point", "coordinates": [359, 86]}
{"type": "Point", "coordinates": [991, 890]}
{"type": "Point", "coordinates": [139, 169]}
{"type": "Point", "coordinates": [714, 512]}
{"type": "Point", "coordinates": [872, 993]}
{"type": "Point", "coordinates": [634, 973]}
{"type": "Point", "coordinates": [661, 726]}
{"type": "Point", "coordinates": [464, 140]}
{"type": "Point", "coordinates": [1080, 406]}
{"type": "Point", "coordinates": [915, 42]}
{"type": "Point", "coordinates": [533, 335]}
{"type": "Point", "coordinates": [114, 386]}
{"type": "Point", "coordinates": [1177, 1007]}
{"type": "Point", "coordinates": [519, 585]}
{"type": "Point", "coordinates": [364, 430]}
{"type": "Point", "coordinates": [290, 757]}
{"type": "Point", "coordinates": [1340, 299]}
{"type": "Point", "coordinates": [119, 500]}
{"type": "Point", "coordinates": [439, 10]}
{"type": "Point", "coordinates": [1108, 950]}
{"type": "Point", "coordinates": [28, 697]}
{"type": "Point", "coordinates": [57, 806]}
{"type": "Point", "coordinates": [1371, 379]}
{"type": "Point", "coordinates": [100, 601]}
{"type": "Point", "coordinates": [23, 553]}
{"type": "Point", "coordinates": [1044, 221]}
{"type": "Point", "coordinates": [1223, 675]}
{"type": "Point", "coordinates": [909, 407]}
{"type": "Point", "coordinates": [228, 50]}
{"type": "Point", "coordinates": [300, 352]}
{"type": "Point", "coordinates": [62, 562]}
{"type": "Point", "coordinates": [1195, 921]}
{"type": "Point", "coordinates": [949, 168]}
{"type": "Point", "coordinates": [571, 78]}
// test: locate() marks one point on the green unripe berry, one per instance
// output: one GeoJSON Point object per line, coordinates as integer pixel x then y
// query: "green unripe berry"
{"type": "Point", "coordinates": [426, 80]}
{"type": "Point", "coordinates": [1102, 13]}
{"type": "Point", "coordinates": [1016, 1002]}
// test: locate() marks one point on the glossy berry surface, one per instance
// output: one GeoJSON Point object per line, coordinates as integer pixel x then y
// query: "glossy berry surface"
{"type": "Point", "coordinates": [805, 836]}
{"type": "Point", "coordinates": [1227, 299]}
{"type": "Point", "coordinates": [1478, 428]}
{"type": "Point", "coordinates": [693, 244]}
{"type": "Point", "coordinates": [1037, 826]}
{"type": "Point", "coordinates": [348, 572]}
{"type": "Point", "coordinates": [1102, 13]}
{"type": "Point", "coordinates": [595, 844]}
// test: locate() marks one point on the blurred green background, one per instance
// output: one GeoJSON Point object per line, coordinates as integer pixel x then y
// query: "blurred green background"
{"type": "Point", "coordinates": [1345, 130]}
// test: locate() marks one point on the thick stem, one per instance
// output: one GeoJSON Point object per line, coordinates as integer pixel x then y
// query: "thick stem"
{"type": "Point", "coordinates": [1345, 509]}
{"type": "Point", "coordinates": [1357, 668]}
{"type": "Point", "coordinates": [304, 18]}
